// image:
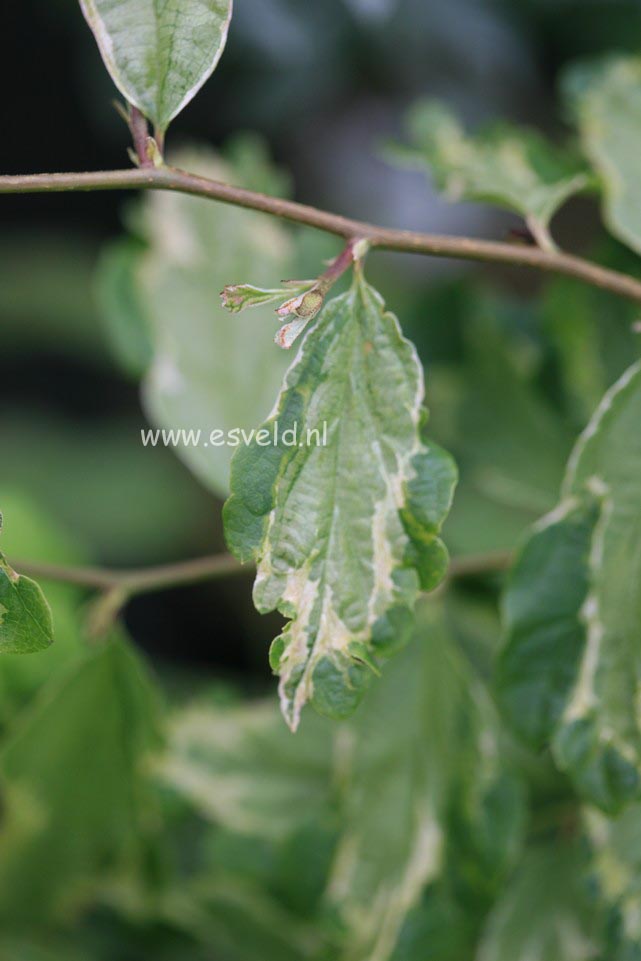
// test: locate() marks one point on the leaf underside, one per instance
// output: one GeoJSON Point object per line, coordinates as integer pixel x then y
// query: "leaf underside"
{"type": "Point", "coordinates": [345, 533]}
{"type": "Point", "coordinates": [159, 52]}
{"type": "Point", "coordinates": [570, 671]}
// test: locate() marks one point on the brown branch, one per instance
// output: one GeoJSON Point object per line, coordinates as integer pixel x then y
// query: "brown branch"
{"type": "Point", "coordinates": [135, 581]}
{"type": "Point", "coordinates": [465, 248]}
{"type": "Point", "coordinates": [147, 580]}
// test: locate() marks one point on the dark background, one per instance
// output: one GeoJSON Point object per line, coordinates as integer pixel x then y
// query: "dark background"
{"type": "Point", "coordinates": [325, 83]}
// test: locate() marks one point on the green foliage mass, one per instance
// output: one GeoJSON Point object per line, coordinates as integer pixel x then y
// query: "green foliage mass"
{"type": "Point", "coordinates": [469, 786]}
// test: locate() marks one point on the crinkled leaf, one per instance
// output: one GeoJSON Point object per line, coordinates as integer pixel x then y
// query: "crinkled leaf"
{"type": "Point", "coordinates": [606, 101]}
{"type": "Point", "coordinates": [573, 608]}
{"type": "Point", "coordinates": [501, 164]}
{"type": "Point", "coordinates": [343, 523]}
{"type": "Point", "coordinates": [159, 52]}
{"type": "Point", "coordinates": [72, 784]}
{"type": "Point", "coordinates": [26, 624]}
{"type": "Point", "coordinates": [545, 912]}
{"type": "Point", "coordinates": [209, 370]}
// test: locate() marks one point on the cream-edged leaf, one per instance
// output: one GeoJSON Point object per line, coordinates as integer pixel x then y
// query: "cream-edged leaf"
{"type": "Point", "coordinates": [341, 504]}
{"type": "Point", "coordinates": [159, 52]}
{"type": "Point", "coordinates": [502, 165]}
{"type": "Point", "coordinates": [571, 667]}
{"type": "Point", "coordinates": [416, 784]}
{"type": "Point", "coordinates": [605, 99]}
{"type": "Point", "coordinates": [206, 372]}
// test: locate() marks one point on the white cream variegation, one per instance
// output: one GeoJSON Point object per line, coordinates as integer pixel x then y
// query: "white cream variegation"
{"type": "Point", "coordinates": [425, 743]}
{"type": "Point", "coordinates": [573, 611]}
{"type": "Point", "coordinates": [343, 534]}
{"type": "Point", "coordinates": [159, 52]}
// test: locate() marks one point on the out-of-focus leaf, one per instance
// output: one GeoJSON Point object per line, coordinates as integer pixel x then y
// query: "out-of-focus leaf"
{"type": "Point", "coordinates": [239, 767]}
{"type": "Point", "coordinates": [591, 331]}
{"type": "Point", "coordinates": [210, 370]}
{"type": "Point", "coordinates": [44, 948]}
{"type": "Point", "coordinates": [616, 865]}
{"type": "Point", "coordinates": [238, 923]}
{"type": "Point", "coordinates": [125, 318]}
{"type": "Point", "coordinates": [546, 912]}
{"type": "Point", "coordinates": [572, 647]}
{"type": "Point", "coordinates": [424, 745]}
{"type": "Point", "coordinates": [502, 165]}
{"type": "Point", "coordinates": [159, 54]}
{"type": "Point", "coordinates": [26, 624]}
{"type": "Point", "coordinates": [75, 806]}
{"type": "Point", "coordinates": [421, 756]}
{"type": "Point", "coordinates": [606, 101]}
{"type": "Point", "coordinates": [30, 534]}
{"type": "Point", "coordinates": [344, 526]}
{"type": "Point", "coordinates": [511, 455]}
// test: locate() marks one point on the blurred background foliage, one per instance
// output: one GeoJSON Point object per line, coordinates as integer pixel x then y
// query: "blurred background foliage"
{"type": "Point", "coordinates": [515, 364]}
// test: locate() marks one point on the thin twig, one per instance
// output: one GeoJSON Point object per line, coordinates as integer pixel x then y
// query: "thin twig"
{"type": "Point", "coordinates": [149, 579]}
{"type": "Point", "coordinates": [135, 581]}
{"type": "Point", "coordinates": [465, 248]}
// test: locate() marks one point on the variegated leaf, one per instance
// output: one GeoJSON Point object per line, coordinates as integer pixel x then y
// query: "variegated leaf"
{"type": "Point", "coordinates": [606, 101]}
{"type": "Point", "coordinates": [205, 370]}
{"type": "Point", "coordinates": [546, 912]}
{"type": "Point", "coordinates": [417, 783]}
{"type": "Point", "coordinates": [343, 523]}
{"type": "Point", "coordinates": [501, 165]}
{"type": "Point", "coordinates": [159, 52]}
{"type": "Point", "coordinates": [615, 845]}
{"type": "Point", "coordinates": [571, 667]}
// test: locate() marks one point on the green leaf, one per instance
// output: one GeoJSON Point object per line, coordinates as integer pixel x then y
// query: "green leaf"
{"type": "Point", "coordinates": [573, 611]}
{"type": "Point", "coordinates": [500, 164]}
{"type": "Point", "coordinates": [34, 533]}
{"type": "Point", "coordinates": [26, 624]}
{"type": "Point", "coordinates": [159, 54]}
{"type": "Point", "coordinates": [545, 913]}
{"type": "Point", "coordinates": [342, 523]}
{"type": "Point", "coordinates": [209, 371]}
{"type": "Point", "coordinates": [539, 663]}
{"type": "Point", "coordinates": [72, 784]}
{"type": "Point", "coordinates": [606, 101]}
